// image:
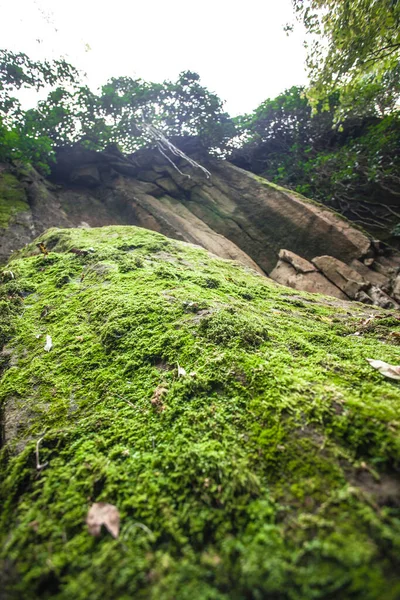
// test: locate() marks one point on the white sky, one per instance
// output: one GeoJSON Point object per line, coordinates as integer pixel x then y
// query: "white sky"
{"type": "Point", "coordinates": [239, 49]}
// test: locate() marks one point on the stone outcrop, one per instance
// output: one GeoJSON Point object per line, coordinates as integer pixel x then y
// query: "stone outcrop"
{"type": "Point", "coordinates": [344, 277]}
{"type": "Point", "coordinates": [233, 427]}
{"type": "Point", "coordinates": [329, 276]}
{"type": "Point", "coordinates": [234, 214]}
{"type": "Point", "coordinates": [298, 273]}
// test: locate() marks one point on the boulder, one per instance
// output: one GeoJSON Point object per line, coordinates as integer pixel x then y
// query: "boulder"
{"type": "Point", "coordinates": [300, 274]}
{"type": "Point", "coordinates": [369, 274]}
{"type": "Point", "coordinates": [232, 213]}
{"type": "Point", "coordinates": [344, 277]}
{"type": "Point", "coordinates": [233, 426]}
{"type": "Point", "coordinates": [300, 264]}
{"type": "Point", "coordinates": [396, 289]}
{"type": "Point", "coordinates": [379, 298]}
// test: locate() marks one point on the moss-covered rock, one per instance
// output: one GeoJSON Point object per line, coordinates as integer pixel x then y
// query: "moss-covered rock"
{"type": "Point", "coordinates": [12, 198]}
{"type": "Point", "coordinates": [267, 466]}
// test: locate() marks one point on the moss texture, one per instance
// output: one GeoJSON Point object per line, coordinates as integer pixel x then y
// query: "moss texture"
{"type": "Point", "coordinates": [12, 198]}
{"type": "Point", "coordinates": [269, 470]}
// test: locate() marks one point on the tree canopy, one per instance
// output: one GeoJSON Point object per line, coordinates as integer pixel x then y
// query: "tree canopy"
{"type": "Point", "coordinates": [118, 113]}
{"type": "Point", "coordinates": [354, 168]}
{"type": "Point", "coordinates": [353, 44]}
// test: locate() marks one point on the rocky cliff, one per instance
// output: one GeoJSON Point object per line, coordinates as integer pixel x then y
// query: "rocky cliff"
{"type": "Point", "coordinates": [228, 431]}
{"type": "Point", "coordinates": [232, 213]}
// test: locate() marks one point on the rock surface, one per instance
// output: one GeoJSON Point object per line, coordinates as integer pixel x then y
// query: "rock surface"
{"type": "Point", "coordinates": [344, 277]}
{"type": "Point", "coordinates": [233, 427]}
{"type": "Point", "coordinates": [234, 214]}
{"type": "Point", "coordinates": [297, 273]}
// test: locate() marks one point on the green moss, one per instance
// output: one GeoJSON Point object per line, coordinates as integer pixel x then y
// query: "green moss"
{"type": "Point", "coordinates": [12, 198]}
{"type": "Point", "coordinates": [271, 470]}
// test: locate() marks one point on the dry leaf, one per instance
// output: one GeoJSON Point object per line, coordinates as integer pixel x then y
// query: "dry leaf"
{"type": "Point", "coordinates": [101, 513]}
{"type": "Point", "coordinates": [368, 321]}
{"type": "Point", "coordinates": [49, 343]}
{"type": "Point", "coordinates": [42, 248]}
{"type": "Point", "coordinates": [181, 372]}
{"type": "Point", "coordinates": [45, 312]}
{"type": "Point", "coordinates": [156, 399]}
{"type": "Point", "coordinates": [391, 371]}
{"type": "Point", "coordinates": [394, 334]}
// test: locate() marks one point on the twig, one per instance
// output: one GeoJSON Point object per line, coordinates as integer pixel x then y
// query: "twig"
{"type": "Point", "coordinates": [39, 467]}
{"type": "Point", "coordinates": [124, 399]}
{"type": "Point", "coordinates": [140, 526]}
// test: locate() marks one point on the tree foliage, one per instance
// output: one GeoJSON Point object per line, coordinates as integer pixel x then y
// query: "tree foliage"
{"type": "Point", "coordinates": [353, 168]}
{"type": "Point", "coordinates": [18, 138]}
{"type": "Point", "coordinates": [353, 43]}
{"type": "Point", "coordinates": [119, 113]}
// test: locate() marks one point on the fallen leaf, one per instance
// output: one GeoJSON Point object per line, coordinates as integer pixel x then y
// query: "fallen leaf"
{"type": "Point", "coordinates": [181, 372]}
{"type": "Point", "coordinates": [101, 513]}
{"type": "Point", "coordinates": [49, 343]}
{"type": "Point", "coordinates": [42, 248]}
{"type": "Point", "coordinates": [156, 399]}
{"type": "Point", "coordinates": [80, 338]}
{"type": "Point", "coordinates": [368, 321]}
{"type": "Point", "coordinates": [394, 334]}
{"type": "Point", "coordinates": [391, 371]}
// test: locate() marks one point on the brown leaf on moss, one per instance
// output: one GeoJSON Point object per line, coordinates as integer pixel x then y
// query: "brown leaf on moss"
{"type": "Point", "coordinates": [42, 248]}
{"type": "Point", "coordinates": [101, 513]}
{"type": "Point", "coordinates": [391, 371]}
{"type": "Point", "coordinates": [156, 399]}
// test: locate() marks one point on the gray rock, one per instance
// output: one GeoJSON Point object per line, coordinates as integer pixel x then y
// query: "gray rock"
{"type": "Point", "coordinates": [87, 175]}
{"type": "Point", "coordinates": [344, 277]}
{"type": "Point", "coordinates": [298, 276]}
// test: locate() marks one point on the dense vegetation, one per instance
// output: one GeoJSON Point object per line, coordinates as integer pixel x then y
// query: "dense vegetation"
{"type": "Point", "coordinates": [337, 142]}
{"type": "Point", "coordinates": [354, 46]}
{"type": "Point", "coordinates": [354, 168]}
{"type": "Point", "coordinates": [122, 112]}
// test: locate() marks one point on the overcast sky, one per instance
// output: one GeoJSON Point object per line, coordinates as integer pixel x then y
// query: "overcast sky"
{"type": "Point", "coordinates": [239, 49]}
